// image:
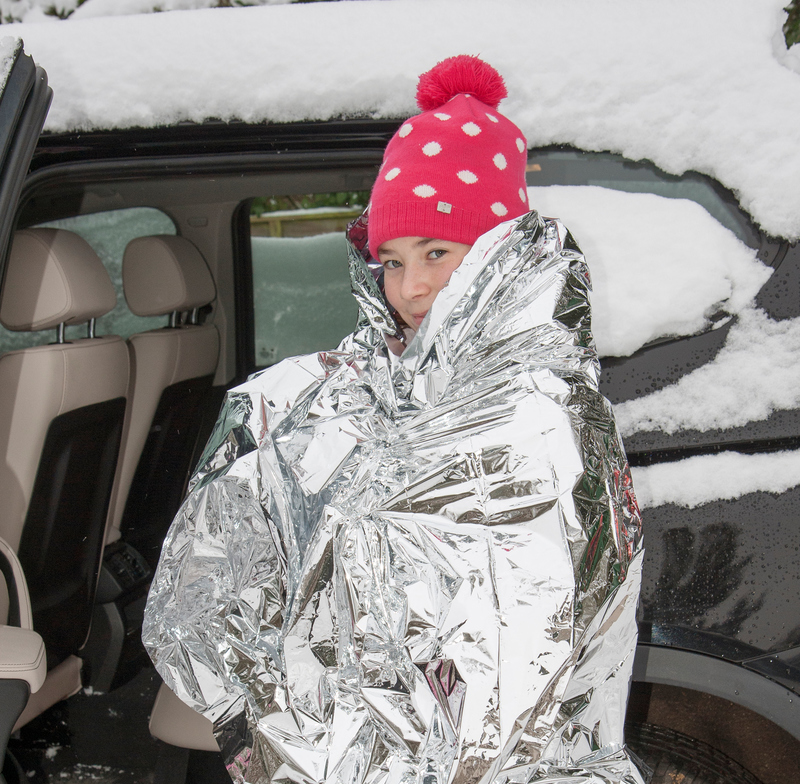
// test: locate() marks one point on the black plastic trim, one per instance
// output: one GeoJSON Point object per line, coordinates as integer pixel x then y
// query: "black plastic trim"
{"type": "Point", "coordinates": [13, 698]}
{"type": "Point", "coordinates": [186, 165]}
{"type": "Point", "coordinates": [164, 467]}
{"type": "Point", "coordinates": [650, 457]}
{"type": "Point", "coordinates": [14, 95]}
{"type": "Point", "coordinates": [243, 292]}
{"type": "Point", "coordinates": [204, 139]}
{"type": "Point", "coordinates": [62, 537]}
{"type": "Point", "coordinates": [27, 86]}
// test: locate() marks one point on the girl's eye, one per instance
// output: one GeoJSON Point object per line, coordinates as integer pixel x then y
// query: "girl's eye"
{"type": "Point", "coordinates": [437, 253]}
{"type": "Point", "coordinates": [391, 264]}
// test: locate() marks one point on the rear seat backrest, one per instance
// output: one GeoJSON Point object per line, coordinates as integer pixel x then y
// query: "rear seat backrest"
{"type": "Point", "coordinates": [172, 370]}
{"type": "Point", "coordinates": [61, 411]}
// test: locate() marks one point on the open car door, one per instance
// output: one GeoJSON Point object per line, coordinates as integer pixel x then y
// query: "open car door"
{"type": "Point", "coordinates": [24, 102]}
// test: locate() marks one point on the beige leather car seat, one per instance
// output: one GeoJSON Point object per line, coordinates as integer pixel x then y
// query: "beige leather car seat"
{"type": "Point", "coordinates": [188, 745]}
{"type": "Point", "coordinates": [172, 371]}
{"type": "Point", "coordinates": [62, 407]}
{"type": "Point", "coordinates": [174, 722]}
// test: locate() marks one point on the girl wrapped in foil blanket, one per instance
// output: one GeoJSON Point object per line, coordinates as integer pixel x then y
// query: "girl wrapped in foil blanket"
{"type": "Point", "coordinates": [416, 558]}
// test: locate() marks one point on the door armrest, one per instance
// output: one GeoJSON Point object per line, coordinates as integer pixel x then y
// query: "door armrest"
{"type": "Point", "coordinates": [22, 656]}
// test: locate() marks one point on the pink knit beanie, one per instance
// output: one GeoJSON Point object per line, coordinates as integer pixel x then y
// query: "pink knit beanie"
{"type": "Point", "coordinates": [458, 169]}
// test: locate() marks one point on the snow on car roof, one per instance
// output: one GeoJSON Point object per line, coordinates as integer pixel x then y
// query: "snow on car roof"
{"type": "Point", "coordinates": [690, 84]}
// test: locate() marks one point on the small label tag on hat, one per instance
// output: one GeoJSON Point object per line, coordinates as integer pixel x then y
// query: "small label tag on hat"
{"type": "Point", "coordinates": [443, 206]}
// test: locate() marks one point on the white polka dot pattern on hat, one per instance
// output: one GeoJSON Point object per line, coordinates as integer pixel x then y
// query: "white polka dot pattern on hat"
{"type": "Point", "coordinates": [453, 169]}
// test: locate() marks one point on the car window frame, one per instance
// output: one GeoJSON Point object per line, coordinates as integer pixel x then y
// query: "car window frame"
{"type": "Point", "coordinates": [24, 104]}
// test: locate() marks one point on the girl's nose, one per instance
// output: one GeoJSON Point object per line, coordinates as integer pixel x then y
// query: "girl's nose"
{"type": "Point", "coordinates": [415, 282]}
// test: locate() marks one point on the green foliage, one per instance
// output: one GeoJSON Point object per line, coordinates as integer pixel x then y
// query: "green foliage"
{"type": "Point", "coordinates": [61, 13]}
{"type": "Point", "coordinates": [791, 28]}
{"type": "Point", "coordinates": [266, 204]}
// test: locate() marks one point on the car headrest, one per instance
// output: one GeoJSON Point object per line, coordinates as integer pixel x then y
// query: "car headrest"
{"type": "Point", "coordinates": [162, 274]}
{"type": "Point", "coordinates": [53, 277]}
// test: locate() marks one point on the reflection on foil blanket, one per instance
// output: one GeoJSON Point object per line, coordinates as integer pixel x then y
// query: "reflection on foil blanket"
{"type": "Point", "coordinates": [417, 568]}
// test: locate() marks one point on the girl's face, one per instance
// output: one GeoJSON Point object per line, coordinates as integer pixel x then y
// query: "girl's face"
{"type": "Point", "coordinates": [416, 269]}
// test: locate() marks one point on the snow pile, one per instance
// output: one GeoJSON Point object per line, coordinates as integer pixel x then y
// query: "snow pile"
{"type": "Point", "coordinates": [755, 373]}
{"type": "Point", "coordinates": [788, 57]}
{"type": "Point", "coordinates": [631, 76]}
{"type": "Point", "coordinates": [700, 480]}
{"type": "Point", "coordinates": [659, 266]}
{"type": "Point", "coordinates": [791, 58]}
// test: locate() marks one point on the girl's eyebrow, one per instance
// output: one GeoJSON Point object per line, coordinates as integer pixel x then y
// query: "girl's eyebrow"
{"type": "Point", "coordinates": [382, 251]}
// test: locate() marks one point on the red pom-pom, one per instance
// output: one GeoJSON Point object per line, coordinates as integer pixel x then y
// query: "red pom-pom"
{"type": "Point", "coordinates": [460, 74]}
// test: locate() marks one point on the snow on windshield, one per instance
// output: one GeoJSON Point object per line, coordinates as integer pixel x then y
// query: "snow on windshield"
{"type": "Point", "coordinates": [651, 281]}
{"type": "Point", "coordinates": [659, 266]}
{"type": "Point", "coordinates": [689, 84]}
{"type": "Point", "coordinates": [755, 373]}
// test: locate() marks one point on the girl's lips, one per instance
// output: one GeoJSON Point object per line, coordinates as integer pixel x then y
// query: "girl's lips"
{"type": "Point", "coordinates": [419, 317]}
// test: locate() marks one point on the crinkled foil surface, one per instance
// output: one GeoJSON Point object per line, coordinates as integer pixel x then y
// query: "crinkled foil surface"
{"type": "Point", "coordinates": [421, 568]}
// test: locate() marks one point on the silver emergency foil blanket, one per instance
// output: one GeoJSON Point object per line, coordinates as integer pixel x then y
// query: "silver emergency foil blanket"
{"type": "Point", "coordinates": [418, 569]}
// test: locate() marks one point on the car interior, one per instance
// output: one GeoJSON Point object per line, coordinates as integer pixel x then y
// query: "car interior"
{"type": "Point", "coordinates": [104, 418]}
